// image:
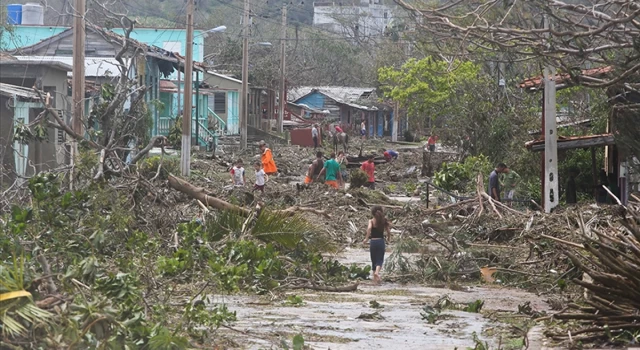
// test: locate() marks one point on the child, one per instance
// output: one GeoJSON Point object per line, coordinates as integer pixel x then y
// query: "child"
{"type": "Point", "coordinates": [237, 174]}
{"type": "Point", "coordinates": [261, 177]}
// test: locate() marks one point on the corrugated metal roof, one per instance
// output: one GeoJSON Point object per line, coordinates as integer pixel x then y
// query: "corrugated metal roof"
{"type": "Point", "coordinates": [342, 94]}
{"type": "Point", "coordinates": [571, 142]}
{"type": "Point", "coordinates": [15, 90]}
{"type": "Point", "coordinates": [535, 83]}
{"type": "Point", "coordinates": [93, 66]}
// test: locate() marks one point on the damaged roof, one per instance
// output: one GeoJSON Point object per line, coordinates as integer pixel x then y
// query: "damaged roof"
{"type": "Point", "coordinates": [346, 95]}
{"type": "Point", "coordinates": [536, 83]}
{"type": "Point", "coordinates": [573, 142]}
{"type": "Point", "coordinates": [175, 59]}
{"type": "Point", "coordinates": [10, 90]}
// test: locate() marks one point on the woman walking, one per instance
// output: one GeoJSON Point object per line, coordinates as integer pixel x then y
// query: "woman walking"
{"type": "Point", "coordinates": [375, 232]}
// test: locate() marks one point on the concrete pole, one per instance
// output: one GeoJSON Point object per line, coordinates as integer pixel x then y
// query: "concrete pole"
{"type": "Point", "coordinates": [245, 76]}
{"type": "Point", "coordinates": [394, 128]}
{"type": "Point", "coordinates": [185, 153]}
{"type": "Point", "coordinates": [283, 91]}
{"type": "Point", "coordinates": [551, 195]}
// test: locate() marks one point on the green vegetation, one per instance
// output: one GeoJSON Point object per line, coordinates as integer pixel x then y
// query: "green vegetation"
{"type": "Point", "coordinates": [110, 265]}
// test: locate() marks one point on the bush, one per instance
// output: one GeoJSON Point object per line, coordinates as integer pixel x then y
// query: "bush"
{"type": "Point", "coordinates": [149, 167]}
{"type": "Point", "coordinates": [462, 176]}
{"type": "Point", "coordinates": [358, 178]}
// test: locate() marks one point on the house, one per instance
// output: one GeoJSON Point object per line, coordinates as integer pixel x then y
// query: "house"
{"type": "Point", "coordinates": [149, 64]}
{"type": "Point", "coordinates": [348, 106]}
{"type": "Point", "coordinates": [616, 162]}
{"type": "Point", "coordinates": [19, 104]}
{"type": "Point", "coordinates": [353, 18]}
{"type": "Point", "coordinates": [223, 107]}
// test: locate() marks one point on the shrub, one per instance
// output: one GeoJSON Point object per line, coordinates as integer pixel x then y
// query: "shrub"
{"type": "Point", "coordinates": [149, 167]}
{"type": "Point", "coordinates": [462, 176]}
{"type": "Point", "coordinates": [358, 178]}
{"type": "Point", "coordinates": [175, 134]}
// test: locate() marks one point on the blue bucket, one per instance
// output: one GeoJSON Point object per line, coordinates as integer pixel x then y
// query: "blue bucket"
{"type": "Point", "coordinates": [14, 14]}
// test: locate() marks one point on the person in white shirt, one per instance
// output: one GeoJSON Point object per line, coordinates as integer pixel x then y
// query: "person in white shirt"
{"type": "Point", "coordinates": [261, 177]}
{"type": "Point", "coordinates": [363, 130]}
{"type": "Point", "coordinates": [237, 174]}
{"type": "Point", "coordinates": [314, 135]}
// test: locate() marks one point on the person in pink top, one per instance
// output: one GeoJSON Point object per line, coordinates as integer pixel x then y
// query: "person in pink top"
{"type": "Point", "coordinates": [339, 129]}
{"type": "Point", "coordinates": [369, 167]}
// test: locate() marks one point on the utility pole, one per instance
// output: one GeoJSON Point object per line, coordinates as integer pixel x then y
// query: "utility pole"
{"type": "Point", "coordinates": [77, 90]}
{"type": "Point", "coordinates": [245, 76]}
{"type": "Point", "coordinates": [185, 153]}
{"type": "Point", "coordinates": [550, 195]}
{"type": "Point", "coordinates": [394, 128]}
{"type": "Point", "coordinates": [283, 91]}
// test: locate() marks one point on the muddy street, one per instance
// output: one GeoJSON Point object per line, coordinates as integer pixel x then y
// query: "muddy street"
{"type": "Point", "coordinates": [348, 320]}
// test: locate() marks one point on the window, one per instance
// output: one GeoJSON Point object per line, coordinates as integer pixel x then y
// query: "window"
{"type": "Point", "coordinates": [173, 46]}
{"type": "Point", "coordinates": [386, 15]}
{"type": "Point", "coordinates": [219, 102]}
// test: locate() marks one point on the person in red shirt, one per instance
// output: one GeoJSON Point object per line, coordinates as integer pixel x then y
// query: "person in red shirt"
{"type": "Point", "coordinates": [339, 129]}
{"type": "Point", "coordinates": [369, 167]}
{"type": "Point", "coordinates": [431, 143]}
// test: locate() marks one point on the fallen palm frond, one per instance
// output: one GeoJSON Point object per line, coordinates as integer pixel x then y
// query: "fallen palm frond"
{"type": "Point", "coordinates": [18, 312]}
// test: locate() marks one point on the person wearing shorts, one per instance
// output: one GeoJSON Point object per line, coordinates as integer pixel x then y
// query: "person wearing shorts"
{"type": "Point", "coordinates": [314, 169]}
{"type": "Point", "coordinates": [331, 170]}
{"type": "Point", "coordinates": [261, 177]}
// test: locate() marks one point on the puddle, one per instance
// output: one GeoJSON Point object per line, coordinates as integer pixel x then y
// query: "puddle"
{"type": "Point", "coordinates": [329, 320]}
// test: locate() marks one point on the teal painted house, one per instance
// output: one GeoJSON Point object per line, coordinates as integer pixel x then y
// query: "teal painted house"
{"type": "Point", "coordinates": [165, 79]}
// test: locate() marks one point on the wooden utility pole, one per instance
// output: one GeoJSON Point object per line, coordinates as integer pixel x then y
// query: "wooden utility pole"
{"type": "Point", "coordinates": [245, 76]}
{"type": "Point", "coordinates": [77, 90]}
{"type": "Point", "coordinates": [394, 127]}
{"type": "Point", "coordinates": [185, 154]}
{"type": "Point", "coordinates": [283, 91]}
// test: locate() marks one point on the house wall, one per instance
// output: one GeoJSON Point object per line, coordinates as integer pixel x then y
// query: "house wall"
{"type": "Point", "coordinates": [372, 18]}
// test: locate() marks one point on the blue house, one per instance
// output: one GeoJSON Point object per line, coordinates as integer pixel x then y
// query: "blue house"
{"type": "Point", "coordinates": [165, 50]}
{"type": "Point", "coordinates": [348, 106]}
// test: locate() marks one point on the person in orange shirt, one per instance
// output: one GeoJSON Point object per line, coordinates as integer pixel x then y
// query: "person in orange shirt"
{"type": "Point", "coordinates": [268, 164]}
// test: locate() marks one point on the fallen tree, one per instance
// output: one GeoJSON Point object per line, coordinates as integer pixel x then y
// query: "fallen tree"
{"type": "Point", "coordinates": [610, 259]}
{"type": "Point", "coordinates": [209, 199]}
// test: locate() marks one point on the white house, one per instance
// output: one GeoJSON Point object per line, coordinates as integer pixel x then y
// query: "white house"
{"type": "Point", "coordinates": [353, 18]}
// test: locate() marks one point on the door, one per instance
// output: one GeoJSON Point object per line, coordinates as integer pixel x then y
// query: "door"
{"type": "Point", "coordinates": [233, 114]}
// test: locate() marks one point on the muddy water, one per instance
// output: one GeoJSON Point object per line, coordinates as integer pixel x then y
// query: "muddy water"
{"type": "Point", "coordinates": [330, 320]}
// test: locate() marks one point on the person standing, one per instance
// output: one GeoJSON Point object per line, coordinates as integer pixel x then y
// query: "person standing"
{"type": "Point", "coordinates": [268, 164]}
{"type": "Point", "coordinates": [431, 143]}
{"type": "Point", "coordinates": [343, 162]}
{"type": "Point", "coordinates": [510, 181]}
{"type": "Point", "coordinates": [331, 170]}
{"type": "Point", "coordinates": [237, 174]}
{"type": "Point", "coordinates": [314, 136]}
{"type": "Point", "coordinates": [338, 129]}
{"type": "Point", "coordinates": [378, 225]}
{"type": "Point", "coordinates": [261, 177]}
{"type": "Point", "coordinates": [494, 181]}
{"type": "Point", "coordinates": [363, 129]}
{"type": "Point", "coordinates": [314, 169]}
{"type": "Point", "coordinates": [369, 168]}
